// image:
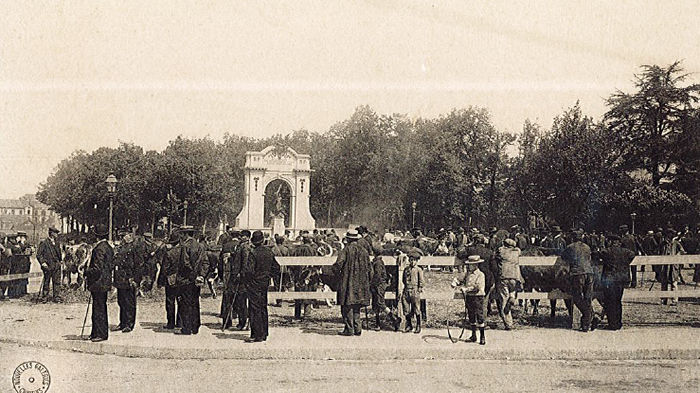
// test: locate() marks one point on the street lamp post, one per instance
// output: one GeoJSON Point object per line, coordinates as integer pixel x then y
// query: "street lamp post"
{"type": "Point", "coordinates": [413, 215]}
{"type": "Point", "coordinates": [111, 183]}
{"type": "Point", "coordinates": [633, 216]}
{"type": "Point", "coordinates": [184, 205]}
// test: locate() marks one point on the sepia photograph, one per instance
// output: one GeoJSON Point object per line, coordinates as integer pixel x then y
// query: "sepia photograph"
{"type": "Point", "coordinates": [349, 196]}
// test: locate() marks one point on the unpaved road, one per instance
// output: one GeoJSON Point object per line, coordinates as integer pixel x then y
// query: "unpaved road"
{"type": "Point", "coordinates": [76, 372]}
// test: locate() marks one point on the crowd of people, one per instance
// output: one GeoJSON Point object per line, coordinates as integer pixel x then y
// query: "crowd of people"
{"type": "Point", "coordinates": [245, 264]}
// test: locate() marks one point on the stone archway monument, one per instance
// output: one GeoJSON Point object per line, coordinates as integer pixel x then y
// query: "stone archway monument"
{"type": "Point", "coordinates": [263, 167]}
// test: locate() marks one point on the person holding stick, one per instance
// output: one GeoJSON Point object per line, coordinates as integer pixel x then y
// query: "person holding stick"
{"type": "Point", "coordinates": [49, 256]}
{"type": "Point", "coordinates": [472, 284]}
{"type": "Point", "coordinates": [98, 276]}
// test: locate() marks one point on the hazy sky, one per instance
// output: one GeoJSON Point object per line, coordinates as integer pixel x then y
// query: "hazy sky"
{"type": "Point", "coordinates": [80, 75]}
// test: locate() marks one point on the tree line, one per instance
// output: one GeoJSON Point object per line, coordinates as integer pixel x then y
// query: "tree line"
{"type": "Point", "coordinates": [642, 156]}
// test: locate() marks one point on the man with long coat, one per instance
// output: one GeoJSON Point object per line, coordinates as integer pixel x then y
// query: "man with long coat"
{"type": "Point", "coordinates": [169, 255]}
{"type": "Point", "coordinates": [262, 265]}
{"type": "Point", "coordinates": [127, 261]}
{"type": "Point", "coordinates": [49, 256]}
{"type": "Point", "coordinates": [235, 282]}
{"type": "Point", "coordinates": [98, 276]}
{"type": "Point", "coordinates": [191, 273]}
{"type": "Point", "coordinates": [226, 257]}
{"type": "Point", "coordinates": [352, 267]}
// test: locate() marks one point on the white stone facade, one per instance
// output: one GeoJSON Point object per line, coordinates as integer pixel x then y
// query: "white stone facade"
{"type": "Point", "coordinates": [268, 165]}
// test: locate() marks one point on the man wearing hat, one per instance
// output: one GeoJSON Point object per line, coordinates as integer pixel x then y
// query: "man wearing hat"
{"type": "Point", "coordinates": [509, 278]}
{"type": "Point", "coordinates": [616, 275]}
{"type": "Point", "coordinates": [472, 285]}
{"type": "Point", "coordinates": [629, 242]}
{"type": "Point", "coordinates": [670, 274]}
{"type": "Point", "coordinates": [413, 282]}
{"type": "Point", "coordinates": [558, 242]}
{"type": "Point", "coordinates": [262, 265]}
{"type": "Point", "coordinates": [352, 268]}
{"type": "Point", "coordinates": [237, 285]}
{"type": "Point", "coordinates": [191, 274]}
{"type": "Point", "coordinates": [49, 256]}
{"type": "Point", "coordinates": [98, 276]}
{"type": "Point", "coordinates": [301, 275]}
{"type": "Point", "coordinates": [127, 261]}
{"type": "Point", "coordinates": [578, 256]}
{"type": "Point", "coordinates": [5, 255]}
{"type": "Point", "coordinates": [149, 269]}
{"type": "Point", "coordinates": [168, 256]}
{"type": "Point", "coordinates": [21, 263]}
{"type": "Point", "coordinates": [226, 257]}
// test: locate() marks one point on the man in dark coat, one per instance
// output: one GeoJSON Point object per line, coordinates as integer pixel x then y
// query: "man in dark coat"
{"type": "Point", "coordinates": [352, 267]}
{"type": "Point", "coordinates": [629, 242]}
{"type": "Point", "coordinates": [126, 267]}
{"type": "Point", "coordinates": [262, 265]}
{"type": "Point", "coordinates": [616, 275]}
{"type": "Point", "coordinates": [20, 264]}
{"type": "Point", "coordinates": [191, 273]}
{"type": "Point", "coordinates": [302, 276]}
{"type": "Point", "coordinates": [98, 276]}
{"type": "Point", "coordinates": [578, 257]}
{"type": "Point", "coordinates": [49, 256]}
{"type": "Point", "coordinates": [377, 287]}
{"type": "Point", "coordinates": [228, 253]}
{"type": "Point", "coordinates": [237, 287]}
{"type": "Point", "coordinates": [169, 255]}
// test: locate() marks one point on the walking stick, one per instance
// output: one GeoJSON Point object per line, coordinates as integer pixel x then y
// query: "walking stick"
{"type": "Point", "coordinates": [86, 314]}
{"type": "Point", "coordinates": [230, 309]}
{"type": "Point", "coordinates": [464, 325]}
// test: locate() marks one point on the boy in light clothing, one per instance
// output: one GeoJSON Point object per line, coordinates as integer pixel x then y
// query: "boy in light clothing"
{"type": "Point", "coordinates": [472, 283]}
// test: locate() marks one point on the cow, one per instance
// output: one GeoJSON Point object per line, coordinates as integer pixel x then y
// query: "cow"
{"type": "Point", "coordinates": [77, 257]}
{"type": "Point", "coordinates": [550, 278]}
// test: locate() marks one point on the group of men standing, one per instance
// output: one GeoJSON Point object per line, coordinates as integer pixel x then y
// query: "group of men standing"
{"type": "Point", "coordinates": [15, 252]}
{"type": "Point", "coordinates": [247, 265]}
{"type": "Point", "coordinates": [183, 267]}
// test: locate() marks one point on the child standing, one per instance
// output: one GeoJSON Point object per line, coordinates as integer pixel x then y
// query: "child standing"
{"type": "Point", "coordinates": [472, 283]}
{"type": "Point", "coordinates": [413, 286]}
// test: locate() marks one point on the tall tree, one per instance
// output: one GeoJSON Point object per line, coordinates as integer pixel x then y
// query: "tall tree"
{"type": "Point", "coordinates": [651, 122]}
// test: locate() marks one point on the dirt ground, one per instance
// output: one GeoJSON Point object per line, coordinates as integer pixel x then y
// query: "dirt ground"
{"type": "Point", "coordinates": [642, 312]}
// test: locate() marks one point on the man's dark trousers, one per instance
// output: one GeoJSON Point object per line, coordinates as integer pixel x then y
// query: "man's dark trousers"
{"type": "Point", "coordinates": [613, 303]}
{"type": "Point", "coordinates": [241, 306]}
{"type": "Point", "coordinates": [351, 318]}
{"type": "Point", "coordinates": [582, 293]}
{"type": "Point", "coordinates": [126, 298]}
{"type": "Point", "coordinates": [172, 314]}
{"type": "Point", "coordinates": [100, 323]}
{"type": "Point", "coordinates": [257, 302]}
{"type": "Point", "coordinates": [189, 309]}
{"type": "Point", "coordinates": [54, 276]}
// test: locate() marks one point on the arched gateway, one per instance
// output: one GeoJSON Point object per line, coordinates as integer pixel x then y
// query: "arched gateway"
{"type": "Point", "coordinates": [291, 169]}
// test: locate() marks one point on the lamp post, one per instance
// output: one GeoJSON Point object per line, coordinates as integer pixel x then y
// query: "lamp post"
{"type": "Point", "coordinates": [184, 205]}
{"type": "Point", "coordinates": [633, 216]}
{"type": "Point", "coordinates": [111, 183]}
{"type": "Point", "coordinates": [413, 215]}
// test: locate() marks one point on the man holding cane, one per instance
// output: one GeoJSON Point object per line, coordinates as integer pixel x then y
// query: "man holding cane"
{"type": "Point", "coordinates": [49, 256]}
{"type": "Point", "coordinates": [98, 277]}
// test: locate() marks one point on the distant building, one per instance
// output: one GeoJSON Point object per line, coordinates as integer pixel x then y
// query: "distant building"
{"type": "Point", "coordinates": [29, 215]}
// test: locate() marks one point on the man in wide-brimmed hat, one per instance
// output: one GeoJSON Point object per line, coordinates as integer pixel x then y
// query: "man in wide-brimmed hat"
{"type": "Point", "coordinates": [49, 256]}
{"type": "Point", "coordinates": [472, 285]}
{"type": "Point", "coordinates": [127, 261]}
{"type": "Point", "coordinates": [353, 268]}
{"type": "Point", "coordinates": [413, 282]}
